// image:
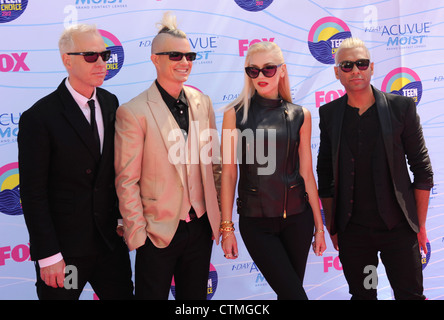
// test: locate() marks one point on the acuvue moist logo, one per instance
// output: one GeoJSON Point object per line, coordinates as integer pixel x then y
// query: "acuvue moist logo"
{"type": "Point", "coordinates": [10, 190]}
{"type": "Point", "coordinates": [253, 5]}
{"type": "Point", "coordinates": [100, 4]}
{"type": "Point", "coordinates": [404, 82]}
{"type": "Point", "coordinates": [9, 127]}
{"type": "Point", "coordinates": [11, 9]}
{"type": "Point", "coordinates": [324, 38]}
{"type": "Point", "coordinates": [115, 62]}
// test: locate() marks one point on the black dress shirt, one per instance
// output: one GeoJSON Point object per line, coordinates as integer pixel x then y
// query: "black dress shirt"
{"type": "Point", "coordinates": [360, 134]}
{"type": "Point", "coordinates": [400, 138]}
{"type": "Point", "coordinates": [178, 108]}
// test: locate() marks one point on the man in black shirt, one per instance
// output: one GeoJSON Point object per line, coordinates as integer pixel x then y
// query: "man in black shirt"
{"type": "Point", "coordinates": [369, 201]}
{"type": "Point", "coordinates": [166, 178]}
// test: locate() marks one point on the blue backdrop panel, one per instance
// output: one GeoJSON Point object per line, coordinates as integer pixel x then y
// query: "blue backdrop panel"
{"type": "Point", "coordinates": [406, 42]}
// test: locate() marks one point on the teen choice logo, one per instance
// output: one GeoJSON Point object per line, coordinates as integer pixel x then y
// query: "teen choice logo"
{"type": "Point", "coordinates": [10, 190]}
{"type": "Point", "coordinates": [211, 286]}
{"type": "Point", "coordinates": [253, 5]}
{"type": "Point", "coordinates": [404, 82]}
{"type": "Point", "coordinates": [324, 38]}
{"type": "Point", "coordinates": [11, 10]}
{"type": "Point", "coordinates": [115, 62]}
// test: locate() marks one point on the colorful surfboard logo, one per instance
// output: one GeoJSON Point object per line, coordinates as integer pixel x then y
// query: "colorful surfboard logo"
{"type": "Point", "coordinates": [211, 285]}
{"type": "Point", "coordinates": [425, 258]}
{"type": "Point", "coordinates": [324, 38]}
{"type": "Point", "coordinates": [253, 5]}
{"type": "Point", "coordinates": [404, 82]}
{"type": "Point", "coordinates": [115, 62]}
{"type": "Point", "coordinates": [11, 10]}
{"type": "Point", "coordinates": [10, 190]}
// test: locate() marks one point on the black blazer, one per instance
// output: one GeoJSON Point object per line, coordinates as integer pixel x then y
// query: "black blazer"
{"type": "Point", "coordinates": [67, 189]}
{"type": "Point", "coordinates": [402, 136]}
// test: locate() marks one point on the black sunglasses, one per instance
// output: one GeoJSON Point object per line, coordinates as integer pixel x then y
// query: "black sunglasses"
{"type": "Point", "coordinates": [177, 56]}
{"type": "Point", "coordinates": [347, 66]}
{"type": "Point", "coordinates": [268, 71]}
{"type": "Point", "coordinates": [91, 56]}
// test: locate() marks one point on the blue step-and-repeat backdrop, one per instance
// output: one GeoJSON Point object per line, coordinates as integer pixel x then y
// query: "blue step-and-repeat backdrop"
{"type": "Point", "coordinates": [406, 40]}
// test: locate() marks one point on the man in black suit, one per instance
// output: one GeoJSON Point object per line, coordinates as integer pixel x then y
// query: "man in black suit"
{"type": "Point", "coordinates": [369, 201]}
{"type": "Point", "coordinates": [66, 163]}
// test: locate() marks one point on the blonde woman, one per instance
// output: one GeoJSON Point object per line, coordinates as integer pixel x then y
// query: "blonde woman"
{"type": "Point", "coordinates": [268, 137]}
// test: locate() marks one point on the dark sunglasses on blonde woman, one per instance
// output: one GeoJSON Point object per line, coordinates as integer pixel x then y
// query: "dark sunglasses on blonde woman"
{"type": "Point", "coordinates": [268, 71]}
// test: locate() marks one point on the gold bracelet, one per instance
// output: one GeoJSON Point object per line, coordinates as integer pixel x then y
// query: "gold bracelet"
{"type": "Point", "coordinates": [318, 231]}
{"type": "Point", "coordinates": [226, 224]}
{"type": "Point", "coordinates": [226, 229]}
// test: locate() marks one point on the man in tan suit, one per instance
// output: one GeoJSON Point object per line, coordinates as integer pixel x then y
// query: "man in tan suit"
{"type": "Point", "coordinates": [165, 177]}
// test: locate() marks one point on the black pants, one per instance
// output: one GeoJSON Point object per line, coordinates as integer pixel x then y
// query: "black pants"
{"type": "Point", "coordinates": [399, 249]}
{"type": "Point", "coordinates": [280, 247]}
{"type": "Point", "coordinates": [187, 258]}
{"type": "Point", "coordinates": [109, 274]}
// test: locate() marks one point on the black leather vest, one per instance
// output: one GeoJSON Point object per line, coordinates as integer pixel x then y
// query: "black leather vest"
{"type": "Point", "coordinates": [270, 184]}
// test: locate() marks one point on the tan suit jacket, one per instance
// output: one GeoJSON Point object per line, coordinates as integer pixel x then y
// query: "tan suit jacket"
{"type": "Point", "coordinates": [148, 181]}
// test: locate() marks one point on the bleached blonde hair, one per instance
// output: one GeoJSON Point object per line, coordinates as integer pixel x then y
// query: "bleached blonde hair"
{"type": "Point", "coordinates": [66, 40]}
{"type": "Point", "coordinates": [168, 25]}
{"type": "Point", "coordinates": [351, 43]}
{"type": "Point", "coordinates": [243, 100]}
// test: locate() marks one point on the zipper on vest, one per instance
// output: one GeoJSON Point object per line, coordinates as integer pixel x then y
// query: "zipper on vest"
{"type": "Point", "coordinates": [286, 162]}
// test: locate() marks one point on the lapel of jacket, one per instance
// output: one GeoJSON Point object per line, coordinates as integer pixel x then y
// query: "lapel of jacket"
{"type": "Point", "coordinates": [386, 124]}
{"type": "Point", "coordinates": [168, 128]}
{"type": "Point", "coordinates": [108, 108]}
{"type": "Point", "coordinates": [77, 120]}
{"type": "Point", "coordinates": [338, 117]}
{"type": "Point", "coordinates": [198, 123]}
